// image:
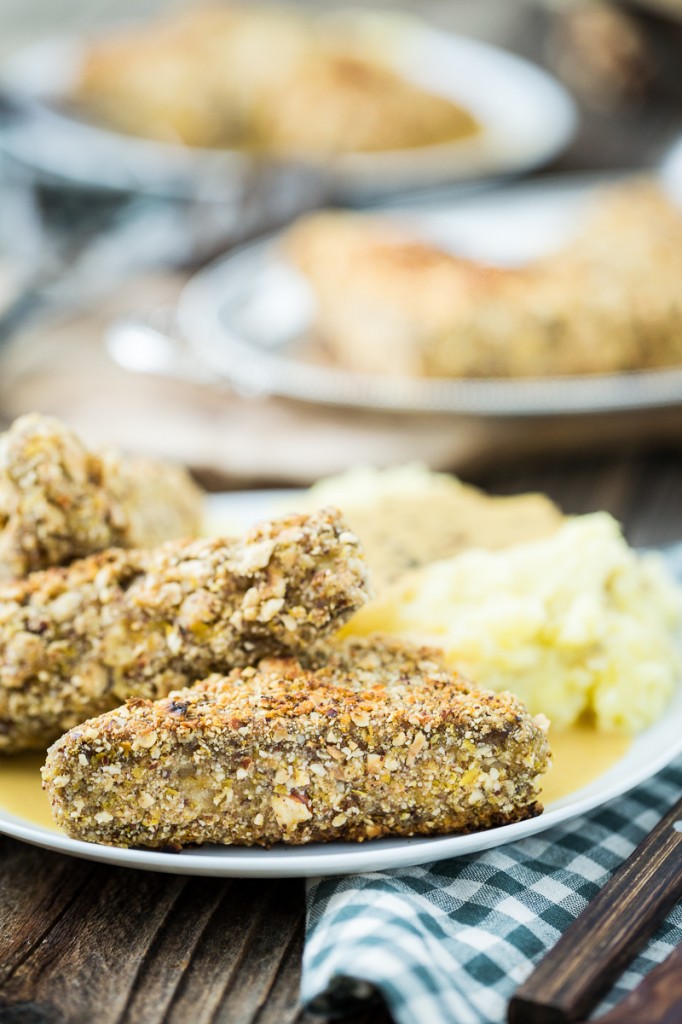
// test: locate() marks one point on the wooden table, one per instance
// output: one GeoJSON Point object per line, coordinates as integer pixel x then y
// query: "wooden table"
{"type": "Point", "coordinates": [87, 944]}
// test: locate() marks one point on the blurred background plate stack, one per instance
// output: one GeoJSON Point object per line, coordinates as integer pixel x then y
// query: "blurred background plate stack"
{"type": "Point", "coordinates": [212, 371]}
{"type": "Point", "coordinates": [526, 118]}
{"type": "Point", "coordinates": [249, 317]}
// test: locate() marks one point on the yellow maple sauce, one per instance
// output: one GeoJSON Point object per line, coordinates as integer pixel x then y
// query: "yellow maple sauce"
{"type": "Point", "coordinates": [580, 755]}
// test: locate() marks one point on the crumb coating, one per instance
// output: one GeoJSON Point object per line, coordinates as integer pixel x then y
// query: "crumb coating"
{"type": "Point", "coordinates": [265, 756]}
{"type": "Point", "coordinates": [75, 642]}
{"type": "Point", "coordinates": [59, 501]}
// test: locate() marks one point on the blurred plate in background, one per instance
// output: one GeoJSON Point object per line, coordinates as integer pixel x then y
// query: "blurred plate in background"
{"type": "Point", "coordinates": [526, 118]}
{"type": "Point", "coordinates": [671, 171]}
{"type": "Point", "coordinates": [248, 317]}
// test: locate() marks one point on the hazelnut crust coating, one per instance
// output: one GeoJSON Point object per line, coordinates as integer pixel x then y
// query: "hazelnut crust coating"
{"type": "Point", "coordinates": [271, 755]}
{"type": "Point", "coordinates": [362, 663]}
{"type": "Point", "coordinates": [75, 642]}
{"type": "Point", "coordinates": [59, 501]}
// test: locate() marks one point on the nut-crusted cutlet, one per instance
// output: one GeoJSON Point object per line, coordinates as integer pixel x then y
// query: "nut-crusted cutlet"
{"type": "Point", "coordinates": [257, 758]}
{"type": "Point", "coordinates": [272, 80]}
{"type": "Point", "coordinates": [59, 501]}
{"type": "Point", "coordinates": [77, 641]}
{"type": "Point", "coordinates": [363, 662]}
{"type": "Point", "coordinates": [160, 500]}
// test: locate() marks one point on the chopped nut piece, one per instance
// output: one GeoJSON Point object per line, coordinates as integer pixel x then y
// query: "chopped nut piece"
{"type": "Point", "coordinates": [146, 740]}
{"type": "Point", "coordinates": [289, 812]}
{"type": "Point", "coordinates": [418, 744]}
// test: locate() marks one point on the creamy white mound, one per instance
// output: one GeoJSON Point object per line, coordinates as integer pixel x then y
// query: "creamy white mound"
{"type": "Point", "coordinates": [577, 622]}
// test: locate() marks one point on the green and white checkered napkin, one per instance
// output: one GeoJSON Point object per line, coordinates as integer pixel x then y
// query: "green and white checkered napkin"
{"type": "Point", "coordinates": [448, 943]}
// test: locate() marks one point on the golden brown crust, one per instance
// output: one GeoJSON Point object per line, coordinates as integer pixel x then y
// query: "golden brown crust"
{"type": "Point", "coordinates": [160, 501]}
{"type": "Point", "coordinates": [264, 756]}
{"type": "Point", "coordinates": [59, 501]}
{"type": "Point", "coordinates": [608, 302]}
{"type": "Point", "coordinates": [76, 641]}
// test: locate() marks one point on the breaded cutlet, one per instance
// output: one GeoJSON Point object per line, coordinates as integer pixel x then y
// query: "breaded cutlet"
{"type": "Point", "coordinates": [60, 501]}
{"type": "Point", "coordinates": [389, 302]}
{"type": "Point", "coordinates": [281, 754]}
{"type": "Point", "coordinates": [77, 641]}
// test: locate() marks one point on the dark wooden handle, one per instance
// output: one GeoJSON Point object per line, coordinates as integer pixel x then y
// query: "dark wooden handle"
{"type": "Point", "coordinates": [656, 1000]}
{"type": "Point", "coordinates": [600, 943]}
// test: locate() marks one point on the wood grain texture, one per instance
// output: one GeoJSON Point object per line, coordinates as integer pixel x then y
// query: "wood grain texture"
{"type": "Point", "coordinates": [656, 1000]}
{"type": "Point", "coordinates": [602, 941]}
{"type": "Point", "coordinates": [36, 889]}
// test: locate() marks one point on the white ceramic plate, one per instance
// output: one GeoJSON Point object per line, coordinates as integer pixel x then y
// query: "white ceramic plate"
{"type": "Point", "coordinates": [527, 118]}
{"type": "Point", "coordinates": [248, 316]}
{"type": "Point", "coordinates": [650, 752]}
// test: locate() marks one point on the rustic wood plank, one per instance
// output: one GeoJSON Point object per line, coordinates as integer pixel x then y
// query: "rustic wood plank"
{"type": "Point", "coordinates": [36, 888]}
{"type": "Point", "coordinates": [280, 921]}
{"type": "Point", "coordinates": [283, 1004]}
{"type": "Point", "coordinates": [577, 485]}
{"type": "Point", "coordinates": [171, 951]}
{"type": "Point", "coordinates": [656, 514]}
{"type": "Point", "coordinates": [84, 969]}
{"type": "Point", "coordinates": [644, 492]}
{"type": "Point", "coordinates": [220, 951]}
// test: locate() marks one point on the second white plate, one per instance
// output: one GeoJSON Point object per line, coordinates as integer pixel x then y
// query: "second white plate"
{"type": "Point", "coordinates": [248, 317]}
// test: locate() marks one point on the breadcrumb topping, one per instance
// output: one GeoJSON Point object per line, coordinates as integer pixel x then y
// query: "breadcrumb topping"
{"type": "Point", "coordinates": [77, 641]}
{"type": "Point", "coordinates": [278, 753]}
{"type": "Point", "coordinates": [59, 501]}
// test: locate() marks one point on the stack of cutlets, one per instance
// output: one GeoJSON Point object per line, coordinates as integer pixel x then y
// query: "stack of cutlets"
{"type": "Point", "coordinates": [245, 722]}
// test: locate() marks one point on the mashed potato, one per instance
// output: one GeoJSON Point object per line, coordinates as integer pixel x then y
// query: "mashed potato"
{"type": "Point", "coordinates": [573, 623]}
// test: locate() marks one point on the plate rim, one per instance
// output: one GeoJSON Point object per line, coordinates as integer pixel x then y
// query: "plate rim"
{"type": "Point", "coordinates": [252, 862]}
{"type": "Point", "coordinates": [256, 370]}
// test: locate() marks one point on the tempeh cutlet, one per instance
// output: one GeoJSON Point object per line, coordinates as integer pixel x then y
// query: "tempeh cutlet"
{"type": "Point", "coordinates": [75, 642]}
{"type": "Point", "coordinates": [280, 754]}
{"type": "Point", "coordinates": [59, 501]}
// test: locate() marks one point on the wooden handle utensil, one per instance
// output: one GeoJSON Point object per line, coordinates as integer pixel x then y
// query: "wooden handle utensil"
{"type": "Point", "coordinates": [600, 943]}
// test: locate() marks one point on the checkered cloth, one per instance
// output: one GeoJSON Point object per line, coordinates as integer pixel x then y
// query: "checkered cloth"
{"type": "Point", "coordinates": [448, 943]}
